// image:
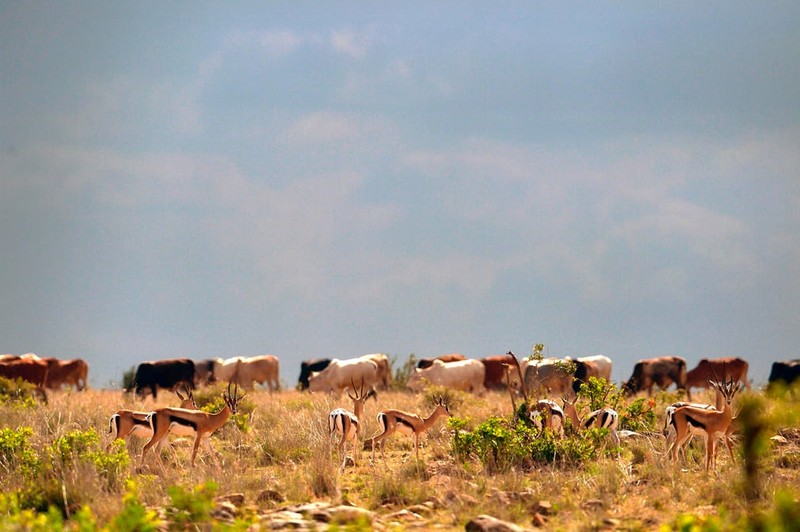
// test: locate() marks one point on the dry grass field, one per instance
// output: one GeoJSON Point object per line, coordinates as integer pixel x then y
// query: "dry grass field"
{"type": "Point", "coordinates": [276, 460]}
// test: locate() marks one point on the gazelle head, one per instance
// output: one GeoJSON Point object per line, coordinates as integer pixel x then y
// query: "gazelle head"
{"type": "Point", "coordinates": [441, 405]}
{"type": "Point", "coordinates": [188, 401]}
{"type": "Point", "coordinates": [727, 389]}
{"type": "Point", "coordinates": [232, 400]}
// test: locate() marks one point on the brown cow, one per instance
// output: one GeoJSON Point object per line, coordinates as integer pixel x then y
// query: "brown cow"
{"type": "Point", "coordinates": [716, 369]}
{"type": "Point", "coordinates": [66, 372]}
{"type": "Point", "coordinates": [496, 376]}
{"type": "Point", "coordinates": [32, 371]}
{"type": "Point", "coordinates": [428, 362]}
{"type": "Point", "coordinates": [661, 371]}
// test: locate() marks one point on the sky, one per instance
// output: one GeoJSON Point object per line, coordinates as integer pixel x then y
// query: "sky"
{"type": "Point", "coordinates": [314, 179]}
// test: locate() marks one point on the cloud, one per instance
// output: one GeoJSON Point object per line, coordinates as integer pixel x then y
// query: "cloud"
{"type": "Point", "coordinates": [350, 43]}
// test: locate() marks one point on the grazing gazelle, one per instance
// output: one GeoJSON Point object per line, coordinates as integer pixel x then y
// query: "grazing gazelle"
{"type": "Point", "coordinates": [191, 422]}
{"type": "Point", "coordinates": [344, 423]}
{"type": "Point", "coordinates": [127, 423]}
{"type": "Point", "coordinates": [711, 423]}
{"type": "Point", "coordinates": [406, 423]}
{"type": "Point", "coordinates": [546, 414]}
{"type": "Point", "coordinates": [606, 418]}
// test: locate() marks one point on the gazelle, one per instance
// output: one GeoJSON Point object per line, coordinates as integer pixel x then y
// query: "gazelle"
{"type": "Point", "coordinates": [191, 422]}
{"type": "Point", "coordinates": [606, 418]}
{"type": "Point", "coordinates": [125, 423]}
{"type": "Point", "coordinates": [344, 423]}
{"type": "Point", "coordinates": [711, 423]}
{"type": "Point", "coordinates": [392, 421]}
{"type": "Point", "coordinates": [546, 414]}
{"type": "Point", "coordinates": [669, 429]}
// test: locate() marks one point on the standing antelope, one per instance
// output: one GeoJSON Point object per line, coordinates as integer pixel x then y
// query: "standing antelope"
{"type": "Point", "coordinates": [191, 422]}
{"type": "Point", "coordinates": [406, 423]}
{"type": "Point", "coordinates": [605, 418]}
{"type": "Point", "coordinates": [669, 429]}
{"type": "Point", "coordinates": [711, 423]}
{"type": "Point", "coordinates": [345, 423]}
{"type": "Point", "coordinates": [127, 423]}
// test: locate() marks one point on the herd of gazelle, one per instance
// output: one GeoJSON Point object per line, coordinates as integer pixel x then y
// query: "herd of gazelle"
{"type": "Point", "coordinates": [683, 421]}
{"type": "Point", "coordinates": [185, 420]}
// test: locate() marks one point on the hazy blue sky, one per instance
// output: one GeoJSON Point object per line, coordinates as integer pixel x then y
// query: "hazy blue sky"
{"type": "Point", "coordinates": [339, 178]}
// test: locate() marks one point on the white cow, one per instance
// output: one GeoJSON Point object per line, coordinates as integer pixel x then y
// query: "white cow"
{"type": "Point", "coordinates": [465, 375]}
{"type": "Point", "coordinates": [342, 374]}
{"type": "Point", "coordinates": [224, 370]}
{"type": "Point", "coordinates": [262, 369]}
{"type": "Point", "coordinates": [548, 376]}
{"type": "Point", "coordinates": [384, 369]}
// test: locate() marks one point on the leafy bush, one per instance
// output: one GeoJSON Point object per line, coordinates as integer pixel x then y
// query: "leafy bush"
{"type": "Point", "coordinates": [134, 515]}
{"type": "Point", "coordinates": [16, 451]}
{"type": "Point", "coordinates": [501, 444]}
{"type": "Point", "coordinates": [189, 508]}
{"type": "Point", "coordinates": [401, 374]}
{"type": "Point", "coordinates": [638, 416]}
{"type": "Point", "coordinates": [19, 393]}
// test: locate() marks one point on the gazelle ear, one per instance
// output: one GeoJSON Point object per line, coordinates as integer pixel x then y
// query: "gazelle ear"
{"type": "Point", "coordinates": [712, 384]}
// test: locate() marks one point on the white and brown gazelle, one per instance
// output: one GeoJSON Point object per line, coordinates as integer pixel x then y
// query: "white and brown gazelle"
{"type": "Point", "coordinates": [670, 433]}
{"type": "Point", "coordinates": [191, 422]}
{"type": "Point", "coordinates": [125, 423]}
{"type": "Point", "coordinates": [392, 421]}
{"type": "Point", "coordinates": [712, 423]}
{"type": "Point", "coordinates": [546, 414]}
{"type": "Point", "coordinates": [605, 418]}
{"type": "Point", "coordinates": [344, 424]}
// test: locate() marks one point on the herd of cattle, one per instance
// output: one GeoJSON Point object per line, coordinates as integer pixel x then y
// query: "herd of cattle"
{"type": "Point", "coordinates": [559, 377]}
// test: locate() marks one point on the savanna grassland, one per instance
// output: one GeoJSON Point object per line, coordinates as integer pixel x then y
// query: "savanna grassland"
{"type": "Point", "coordinates": [55, 470]}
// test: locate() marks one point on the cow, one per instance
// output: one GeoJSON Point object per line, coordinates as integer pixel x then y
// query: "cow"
{"type": "Point", "coordinates": [384, 368]}
{"type": "Point", "coordinates": [554, 376]}
{"type": "Point", "coordinates": [598, 366]}
{"type": "Point", "coordinates": [784, 372]}
{"type": "Point", "coordinates": [341, 374]}
{"type": "Point", "coordinates": [225, 370]}
{"type": "Point", "coordinates": [262, 369]}
{"type": "Point", "coordinates": [467, 375]}
{"type": "Point", "coordinates": [28, 370]}
{"type": "Point", "coordinates": [717, 368]}
{"type": "Point", "coordinates": [307, 367]}
{"type": "Point", "coordinates": [497, 371]}
{"type": "Point", "coordinates": [661, 371]}
{"type": "Point", "coordinates": [168, 374]}
{"type": "Point", "coordinates": [66, 372]}
{"type": "Point", "coordinates": [452, 357]}
{"type": "Point", "coordinates": [204, 372]}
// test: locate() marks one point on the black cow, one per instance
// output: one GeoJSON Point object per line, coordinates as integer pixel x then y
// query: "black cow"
{"type": "Point", "coordinates": [204, 372]}
{"type": "Point", "coordinates": [167, 374]}
{"type": "Point", "coordinates": [785, 372]}
{"type": "Point", "coordinates": [661, 371]}
{"type": "Point", "coordinates": [309, 366]}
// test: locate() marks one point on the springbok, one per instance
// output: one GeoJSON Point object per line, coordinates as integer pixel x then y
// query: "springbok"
{"type": "Point", "coordinates": [392, 421]}
{"type": "Point", "coordinates": [125, 423]}
{"type": "Point", "coordinates": [546, 414]}
{"type": "Point", "coordinates": [191, 422]}
{"type": "Point", "coordinates": [606, 418]}
{"type": "Point", "coordinates": [345, 424]}
{"type": "Point", "coordinates": [711, 423]}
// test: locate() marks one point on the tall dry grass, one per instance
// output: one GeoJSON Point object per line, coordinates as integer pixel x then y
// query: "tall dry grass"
{"type": "Point", "coordinates": [280, 442]}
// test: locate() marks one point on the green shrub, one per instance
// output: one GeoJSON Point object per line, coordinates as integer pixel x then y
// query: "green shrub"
{"type": "Point", "coordinates": [19, 393]}
{"type": "Point", "coordinates": [17, 453]}
{"type": "Point", "coordinates": [189, 508]}
{"type": "Point", "coordinates": [501, 443]}
{"type": "Point", "coordinates": [135, 517]}
{"type": "Point", "coordinates": [638, 416]}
